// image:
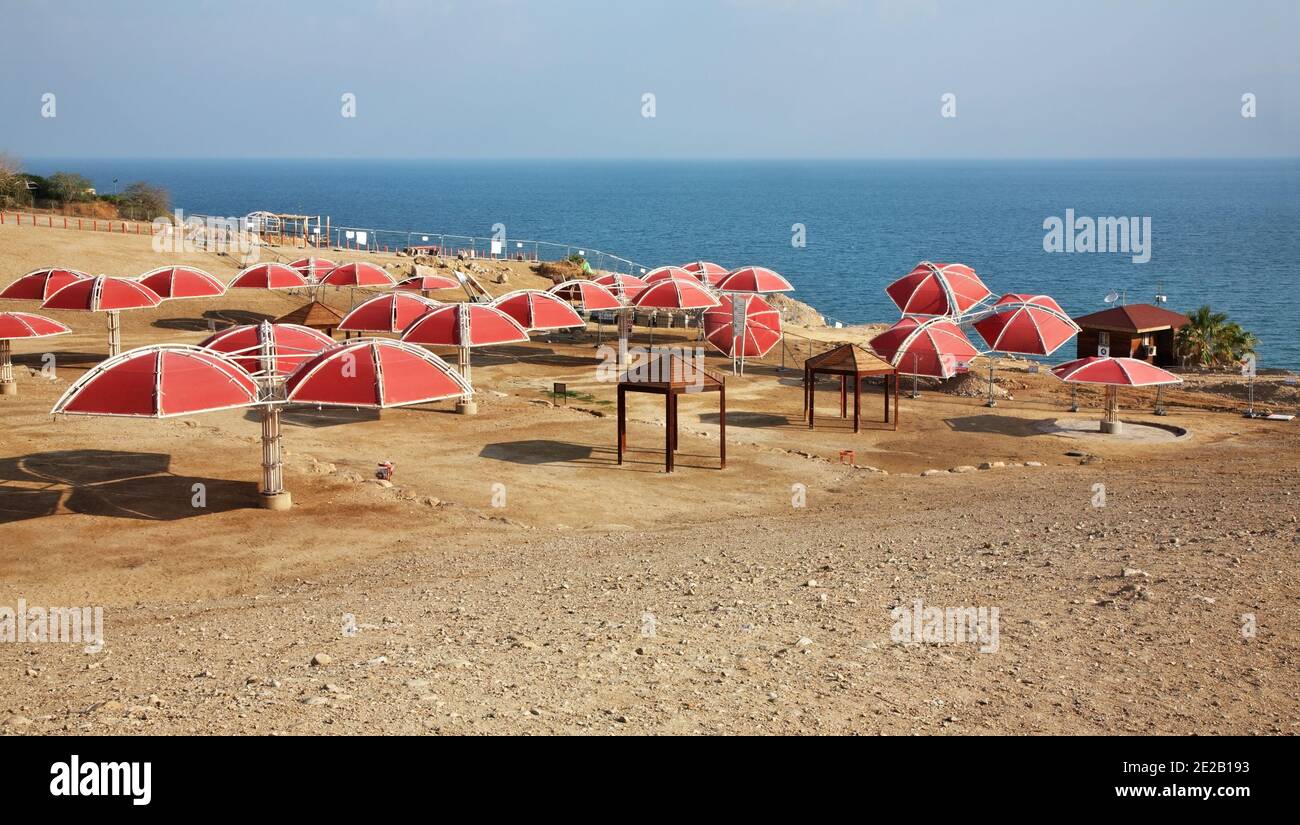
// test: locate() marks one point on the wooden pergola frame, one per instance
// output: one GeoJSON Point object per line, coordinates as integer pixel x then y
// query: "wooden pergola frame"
{"type": "Point", "coordinates": [671, 376]}
{"type": "Point", "coordinates": [848, 361]}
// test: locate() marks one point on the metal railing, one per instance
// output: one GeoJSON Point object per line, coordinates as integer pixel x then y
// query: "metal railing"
{"type": "Point", "coordinates": [364, 239]}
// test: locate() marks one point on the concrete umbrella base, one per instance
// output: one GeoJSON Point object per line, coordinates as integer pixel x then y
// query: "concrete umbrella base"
{"type": "Point", "coordinates": [277, 501]}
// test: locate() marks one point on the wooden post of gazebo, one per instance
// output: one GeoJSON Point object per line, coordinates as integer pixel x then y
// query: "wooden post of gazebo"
{"type": "Point", "coordinates": [670, 375]}
{"type": "Point", "coordinates": [849, 362]}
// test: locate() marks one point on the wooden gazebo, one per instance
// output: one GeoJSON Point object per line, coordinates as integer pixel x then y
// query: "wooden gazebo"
{"type": "Point", "coordinates": [849, 362]}
{"type": "Point", "coordinates": [316, 315]}
{"type": "Point", "coordinates": [670, 375]}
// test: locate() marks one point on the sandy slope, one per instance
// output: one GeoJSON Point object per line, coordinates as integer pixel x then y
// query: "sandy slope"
{"type": "Point", "coordinates": [537, 616]}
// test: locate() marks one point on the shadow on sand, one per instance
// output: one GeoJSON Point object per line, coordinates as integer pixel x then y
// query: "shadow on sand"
{"type": "Point", "coordinates": [542, 451]}
{"type": "Point", "coordinates": [314, 417]}
{"type": "Point", "coordinates": [223, 317]}
{"type": "Point", "coordinates": [996, 424]}
{"type": "Point", "coordinates": [36, 360]}
{"type": "Point", "coordinates": [112, 483]}
{"type": "Point", "coordinates": [750, 420]}
{"type": "Point", "coordinates": [507, 354]}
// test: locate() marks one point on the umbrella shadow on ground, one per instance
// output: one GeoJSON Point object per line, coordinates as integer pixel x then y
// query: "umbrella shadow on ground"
{"type": "Point", "coordinates": [506, 354]}
{"type": "Point", "coordinates": [997, 425]}
{"type": "Point", "coordinates": [77, 467]}
{"type": "Point", "coordinates": [36, 360]}
{"type": "Point", "coordinates": [223, 317]}
{"type": "Point", "coordinates": [113, 483]}
{"type": "Point", "coordinates": [749, 420]}
{"type": "Point", "coordinates": [18, 503]}
{"type": "Point", "coordinates": [545, 451]}
{"type": "Point", "coordinates": [315, 417]}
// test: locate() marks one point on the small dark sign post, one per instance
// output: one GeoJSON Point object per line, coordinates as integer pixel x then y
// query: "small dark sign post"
{"type": "Point", "coordinates": [560, 391]}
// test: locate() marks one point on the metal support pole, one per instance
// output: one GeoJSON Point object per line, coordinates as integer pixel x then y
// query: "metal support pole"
{"type": "Point", "coordinates": [114, 333]}
{"type": "Point", "coordinates": [722, 426]}
{"type": "Point", "coordinates": [1074, 398]}
{"type": "Point", "coordinates": [7, 384]}
{"type": "Point", "coordinates": [274, 496]}
{"type": "Point", "coordinates": [992, 402]}
{"type": "Point", "coordinates": [624, 319]}
{"type": "Point", "coordinates": [465, 405]}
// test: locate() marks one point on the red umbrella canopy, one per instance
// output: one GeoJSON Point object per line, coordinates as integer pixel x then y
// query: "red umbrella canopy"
{"type": "Point", "coordinates": [287, 345]}
{"type": "Point", "coordinates": [760, 331]}
{"type": "Point", "coordinates": [924, 346]}
{"type": "Point", "coordinates": [465, 325]}
{"type": "Point", "coordinates": [708, 272]}
{"type": "Point", "coordinates": [674, 293]}
{"type": "Point", "coordinates": [160, 382]}
{"type": "Point", "coordinates": [313, 268]}
{"type": "Point", "coordinates": [25, 325]}
{"type": "Point", "coordinates": [103, 294]}
{"type": "Point", "coordinates": [1120, 372]}
{"type": "Point", "coordinates": [754, 279]}
{"type": "Point", "coordinates": [391, 312]}
{"type": "Point", "coordinates": [938, 289]}
{"type": "Point", "coordinates": [41, 284]}
{"type": "Point", "coordinates": [664, 273]}
{"type": "Point", "coordinates": [357, 274]}
{"type": "Point", "coordinates": [427, 283]}
{"type": "Point", "coordinates": [173, 282]}
{"type": "Point", "coordinates": [269, 276]}
{"type": "Point", "coordinates": [589, 295]}
{"type": "Point", "coordinates": [624, 286]}
{"type": "Point", "coordinates": [1027, 325]}
{"type": "Point", "coordinates": [537, 310]}
{"type": "Point", "coordinates": [374, 372]}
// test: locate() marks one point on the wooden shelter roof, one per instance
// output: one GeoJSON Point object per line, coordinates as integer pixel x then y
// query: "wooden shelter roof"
{"type": "Point", "coordinates": [848, 358]}
{"type": "Point", "coordinates": [669, 370]}
{"type": "Point", "coordinates": [315, 315]}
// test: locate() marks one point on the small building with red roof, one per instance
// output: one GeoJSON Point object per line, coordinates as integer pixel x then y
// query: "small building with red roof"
{"type": "Point", "coordinates": [1143, 331]}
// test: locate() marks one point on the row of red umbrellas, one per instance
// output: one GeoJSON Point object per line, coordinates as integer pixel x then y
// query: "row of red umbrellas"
{"type": "Point", "coordinates": [177, 282]}
{"type": "Point", "coordinates": [754, 332]}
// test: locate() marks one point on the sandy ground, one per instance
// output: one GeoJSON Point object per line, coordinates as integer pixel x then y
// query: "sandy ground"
{"type": "Point", "coordinates": [610, 599]}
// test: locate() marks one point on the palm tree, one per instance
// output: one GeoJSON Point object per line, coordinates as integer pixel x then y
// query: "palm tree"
{"type": "Point", "coordinates": [1211, 340]}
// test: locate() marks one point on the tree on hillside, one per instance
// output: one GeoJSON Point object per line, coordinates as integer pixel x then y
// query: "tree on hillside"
{"type": "Point", "coordinates": [144, 201]}
{"type": "Point", "coordinates": [69, 187]}
{"type": "Point", "coordinates": [1211, 340]}
{"type": "Point", "coordinates": [13, 187]}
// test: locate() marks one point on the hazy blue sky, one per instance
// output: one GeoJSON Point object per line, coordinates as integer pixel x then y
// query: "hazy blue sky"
{"type": "Point", "coordinates": [732, 78]}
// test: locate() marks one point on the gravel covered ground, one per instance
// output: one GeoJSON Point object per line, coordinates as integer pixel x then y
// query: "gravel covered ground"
{"type": "Point", "coordinates": [608, 599]}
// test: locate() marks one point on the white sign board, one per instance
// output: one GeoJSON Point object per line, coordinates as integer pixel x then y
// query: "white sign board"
{"type": "Point", "coordinates": [361, 239]}
{"type": "Point", "coordinates": [496, 247]}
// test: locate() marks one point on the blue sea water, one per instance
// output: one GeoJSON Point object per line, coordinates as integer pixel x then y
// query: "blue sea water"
{"type": "Point", "coordinates": [1225, 233]}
